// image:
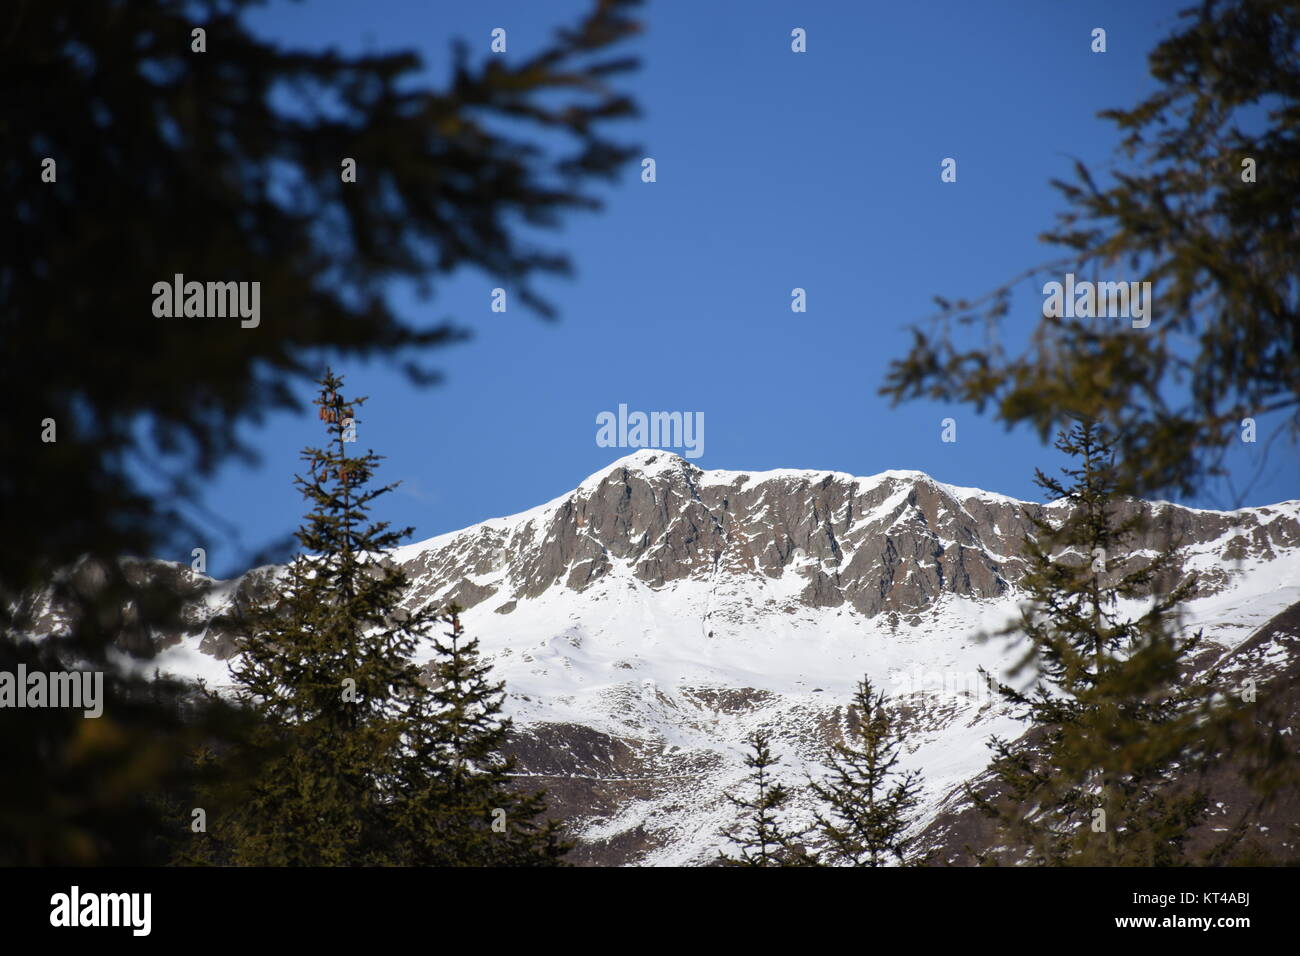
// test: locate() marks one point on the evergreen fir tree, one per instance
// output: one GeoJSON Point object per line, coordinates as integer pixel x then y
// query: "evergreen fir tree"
{"type": "Point", "coordinates": [1094, 783]}
{"type": "Point", "coordinates": [868, 800]}
{"type": "Point", "coordinates": [457, 803]}
{"type": "Point", "coordinates": [762, 839]}
{"type": "Point", "coordinates": [1178, 209]}
{"type": "Point", "coordinates": [325, 665]}
{"type": "Point", "coordinates": [447, 173]}
{"type": "Point", "coordinates": [361, 761]}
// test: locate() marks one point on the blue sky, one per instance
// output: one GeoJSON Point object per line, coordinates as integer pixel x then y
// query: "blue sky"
{"type": "Point", "coordinates": [775, 170]}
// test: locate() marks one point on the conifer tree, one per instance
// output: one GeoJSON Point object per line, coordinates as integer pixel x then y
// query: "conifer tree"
{"type": "Point", "coordinates": [1114, 722]}
{"type": "Point", "coordinates": [868, 800]}
{"type": "Point", "coordinates": [762, 839]}
{"type": "Point", "coordinates": [361, 761]}
{"type": "Point", "coordinates": [419, 178]}
{"type": "Point", "coordinates": [1201, 203]}
{"type": "Point", "coordinates": [325, 665]}
{"type": "Point", "coordinates": [457, 802]}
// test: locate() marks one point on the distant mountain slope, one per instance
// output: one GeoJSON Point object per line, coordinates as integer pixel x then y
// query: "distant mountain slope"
{"type": "Point", "coordinates": [649, 619]}
{"type": "Point", "coordinates": [1270, 659]}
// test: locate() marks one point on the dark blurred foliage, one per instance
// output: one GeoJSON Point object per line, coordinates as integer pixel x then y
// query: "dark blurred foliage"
{"type": "Point", "coordinates": [1223, 256]}
{"type": "Point", "coordinates": [221, 166]}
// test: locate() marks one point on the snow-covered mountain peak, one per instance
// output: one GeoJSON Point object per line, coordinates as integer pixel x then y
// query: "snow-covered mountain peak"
{"type": "Point", "coordinates": [650, 618]}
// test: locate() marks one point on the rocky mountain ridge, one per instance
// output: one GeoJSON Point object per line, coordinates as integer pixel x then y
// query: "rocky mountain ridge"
{"type": "Point", "coordinates": [648, 620]}
{"type": "Point", "coordinates": [892, 543]}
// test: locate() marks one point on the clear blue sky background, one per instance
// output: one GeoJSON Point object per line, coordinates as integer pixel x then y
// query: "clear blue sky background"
{"type": "Point", "coordinates": [775, 170]}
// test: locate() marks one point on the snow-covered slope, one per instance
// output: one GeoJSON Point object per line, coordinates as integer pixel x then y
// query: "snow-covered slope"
{"type": "Point", "coordinates": [646, 622]}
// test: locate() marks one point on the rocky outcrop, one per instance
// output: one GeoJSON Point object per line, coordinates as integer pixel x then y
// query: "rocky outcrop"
{"type": "Point", "coordinates": [647, 621]}
{"type": "Point", "coordinates": [894, 542]}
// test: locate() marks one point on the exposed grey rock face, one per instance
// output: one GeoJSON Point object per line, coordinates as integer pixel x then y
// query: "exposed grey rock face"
{"type": "Point", "coordinates": [648, 620]}
{"type": "Point", "coordinates": [887, 550]}
{"type": "Point", "coordinates": [892, 543]}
